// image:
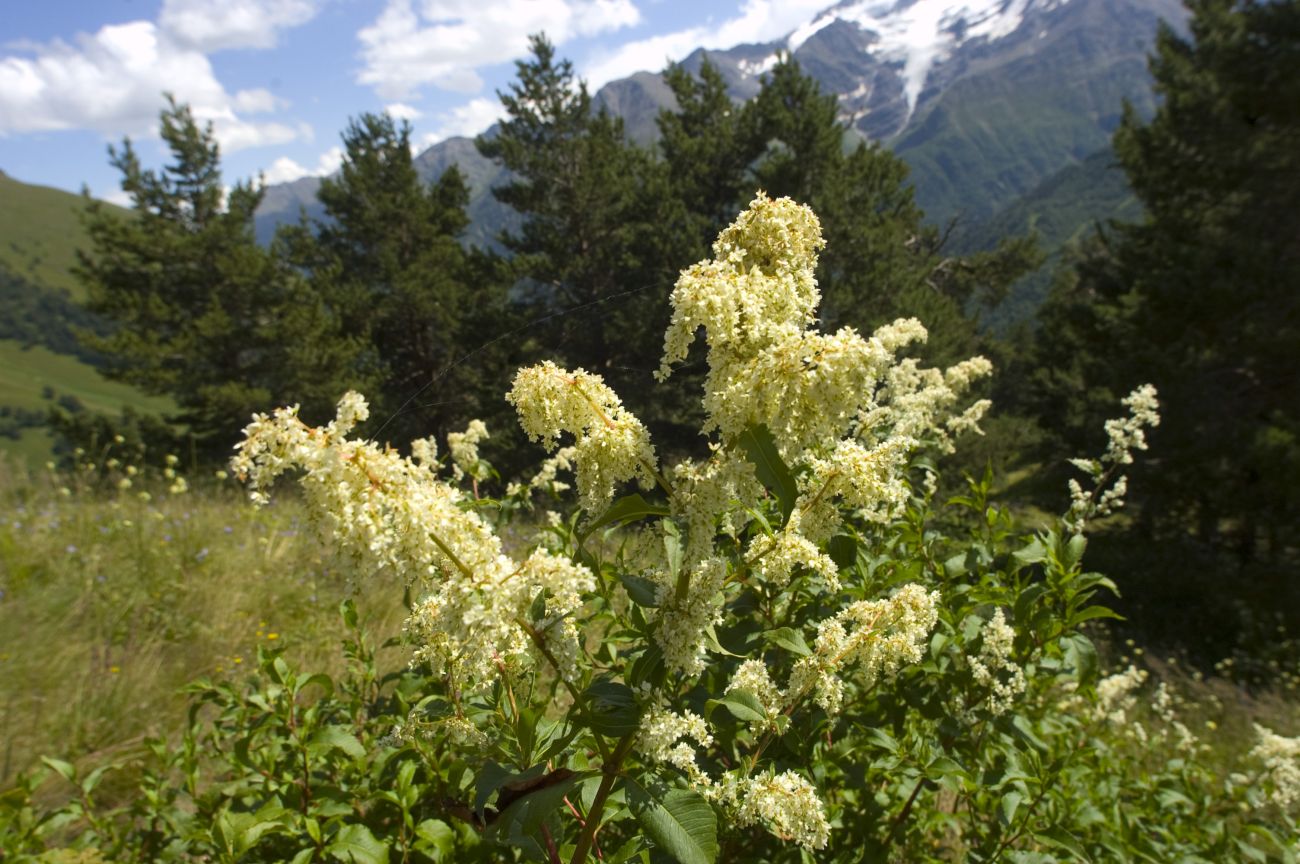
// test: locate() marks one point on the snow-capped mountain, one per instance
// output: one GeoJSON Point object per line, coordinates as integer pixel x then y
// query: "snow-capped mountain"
{"type": "Point", "coordinates": [913, 37]}
{"type": "Point", "coordinates": [983, 98]}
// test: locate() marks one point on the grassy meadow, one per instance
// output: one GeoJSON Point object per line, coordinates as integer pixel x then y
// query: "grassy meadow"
{"type": "Point", "coordinates": [113, 596]}
{"type": "Point", "coordinates": [112, 599]}
{"type": "Point", "coordinates": [42, 232]}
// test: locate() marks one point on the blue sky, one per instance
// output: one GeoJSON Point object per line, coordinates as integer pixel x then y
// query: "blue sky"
{"type": "Point", "coordinates": [279, 78]}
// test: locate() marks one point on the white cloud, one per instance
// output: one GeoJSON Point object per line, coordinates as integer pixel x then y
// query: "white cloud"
{"type": "Point", "coordinates": [214, 25]}
{"type": "Point", "coordinates": [258, 101]}
{"type": "Point", "coordinates": [400, 111]}
{"type": "Point", "coordinates": [469, 119]}
{"type": "Point", "coordinates": [112, 82]}
{"type": "Point", "coordinates": [758, 21]}
{"type": "Point", "coordinates": [286, 170]}
{"type": "Point", "coordinates": [330, 161]}
{"type": "Point", "coordinates": [443, 42]}
{"type": "Point", "coordinates": [115, 196]}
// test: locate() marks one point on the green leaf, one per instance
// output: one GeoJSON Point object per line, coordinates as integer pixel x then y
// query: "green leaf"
{"type": "Point", "coordinates": [629, 508]}
{"type": "Point", "coordinates": [955, 567]}
{"type": "Point", "coordinates": [436, 836]}
{"type": "Point", "coordinates": [1034, 553]}
{"type": "Point", "coordinates": [1082, 655]}
{"type": "Point", "coordinates": [1027, 599]}
{"type": "Point", "coordinates": [1074, 551]}
{"type": "Point", "coordinates": [356, 844]}
{"type": "Point", "coordinates": [789, 639]}
{"type": "Point", "coordinates": [524, 815]}
{"type": "Point", "coordinates": [679, 821]}
{"type": "Point", "coordinates": [489, 779]}
{"type": "Point", "coordinates": [642, 591]}
{"type": "Point", "coordinates": [769, 467]}
{"type": "Point", "coordinates": [1062, 839]}
{"type": "Point", "coordinates": [672, 547]}
{"type": "Point", "coordinates": [1094, 612]}
{"type": "Point", "coordinates": [711, 642]}
{"type": "Point", "coordinates": [335, 738]}
{"type": "Point", "coordinates": [744, 705]}
{"type": "Point", "coordinates": [1010, 803]}
{"type": "Point", "coordinates": [882, 739]}
{"type": "Point", "coordinates": [612, 709]}
{"type": "Point", "coordinates": [65, 769]}
{"type": "Point", "coordinates": [843, 550]}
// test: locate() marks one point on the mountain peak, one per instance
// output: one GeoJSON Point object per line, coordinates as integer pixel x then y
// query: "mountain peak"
{"type": "Point", "coordinates": [916, 35]}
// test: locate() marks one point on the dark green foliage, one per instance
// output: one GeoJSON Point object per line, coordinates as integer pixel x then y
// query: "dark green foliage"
{"type": "Point", "coordinates": [201, 312]}
{"type": "Point", "coordinates": [1201, 299]}
{"type": "Point", "coordinates": [389, 265]}
{"type": "Point", "coordinates": [37, 315]}
{"type": "Point", "coordinates": [288, 766]}
{"type": "Point", "coordinates": [602, 239]}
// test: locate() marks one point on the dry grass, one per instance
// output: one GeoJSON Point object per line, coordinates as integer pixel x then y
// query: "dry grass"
{"type": "Point", "coordinates": [110, 603]}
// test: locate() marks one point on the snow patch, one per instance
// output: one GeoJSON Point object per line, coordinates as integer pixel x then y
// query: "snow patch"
{"type": "Point", "coordinates": [753, 68]}
{"type": "Point", "coordinates": [920, 34]}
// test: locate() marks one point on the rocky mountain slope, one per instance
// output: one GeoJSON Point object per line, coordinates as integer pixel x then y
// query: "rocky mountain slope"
{"type": "Point", "coordinates": [984, 99]}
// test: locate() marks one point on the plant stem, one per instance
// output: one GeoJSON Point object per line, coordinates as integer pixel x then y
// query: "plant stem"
{"type": "Point", "coordinates": [610, 770]}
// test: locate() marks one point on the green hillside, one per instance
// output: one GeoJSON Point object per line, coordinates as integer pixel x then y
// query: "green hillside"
{"type": "Point", "coordinates": [1062, 210]}
{"type": "Point", "coordinates": [26, 372]}
{"type": "Point", "coordinates": [40, 231]}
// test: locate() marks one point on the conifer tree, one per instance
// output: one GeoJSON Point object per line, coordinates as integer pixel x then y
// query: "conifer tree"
{"type": "Point", "coordinates": [389, 261]}
{"type": "Point", "coordinates": [1201, 298]}
{"type": "Point", "coordinates": [601, 242]}
{"type": "Point", "coordinates": [200, 310]}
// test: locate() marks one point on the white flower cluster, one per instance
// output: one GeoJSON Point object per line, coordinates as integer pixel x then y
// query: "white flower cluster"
{"type": "Point", "coordinates": [1281, 758]}
{"type": "Point", "coordinates": [776, 558]}
{"type": "Point", "coordinates": [917, 402]}
{"type": "Point", "coordinates": [1124, 435]}
{"type": "Point", "coordinates": [876, 636]}
{"type": "Point", "coordinates": [756, 301]}
{"type": "Point", "coordinates": [879, 636]}
{"type": "Point", "coordinates": [844, 415]}
{"type": "Point", "coordinates": [994, 668]}
{"type": "Point", "coordinates": [685, 617]}
{"type": "Point", "coordinates": [464, 450]}
{"type": "Point", "coordinates": [612, 445]}
{"type": "Point", "coordinates": [785, 803]}
{"type": "Point", "coordinates": [393, 513]}
{"type": "Point", "coordinates": [660, 740]}
{"type": "Point", "coordinates": [1117, 694]}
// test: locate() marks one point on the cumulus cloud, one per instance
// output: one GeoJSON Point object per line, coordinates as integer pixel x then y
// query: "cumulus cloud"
{"type": "Point", "coordinates": [469, 119]}
{"type": "Point", "coordinates": [442, 42]}
{"type": "Point", "coordinates": [257, 101]}
{"type": "Point", "coordinates": [286, 170]}
{"type": "Point", "coordinates": [112, 81]}
{"type": "Point", "coordinates": [215, 25]}
{"type": "Point", "coordinates": [400, 111]}
{"type": "Point", "coordinates": [758, 21]}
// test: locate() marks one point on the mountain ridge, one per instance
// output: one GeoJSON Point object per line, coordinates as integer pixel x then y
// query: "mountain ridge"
{"type": "Point", "coordinates": [1012, 91]}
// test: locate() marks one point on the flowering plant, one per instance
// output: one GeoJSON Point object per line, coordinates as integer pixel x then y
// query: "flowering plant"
{"type": "Point", "coordinates": [767, 647]}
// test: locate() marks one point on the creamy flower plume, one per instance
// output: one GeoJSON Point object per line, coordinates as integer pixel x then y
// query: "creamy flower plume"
{"type": "Point", "coordinates": [612, 445]}
{"type": "Point", "coordinates": [994, 667]}
{"type": "Point", "coordinates": [393, 513]}
{"type": "Point", "coordinates": [1124, 435]}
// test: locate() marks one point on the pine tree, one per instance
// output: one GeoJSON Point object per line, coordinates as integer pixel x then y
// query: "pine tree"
{"type": "Point", "coordinates": [601, 242]}
{"type": "Point", "coordinates": [389, 262]}
{"type": "Point", "coordinates": [199, 308]}
{"type": "Point", "coordinates": [1201, 298]}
